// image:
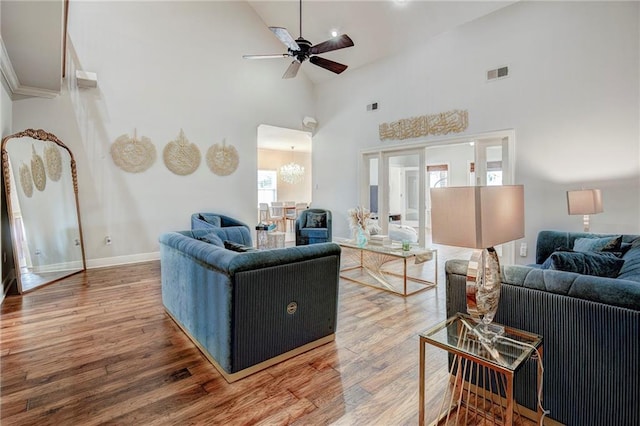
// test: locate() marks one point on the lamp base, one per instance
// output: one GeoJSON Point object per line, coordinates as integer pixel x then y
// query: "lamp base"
{"type": "Point", "coordinates": [483, 293]}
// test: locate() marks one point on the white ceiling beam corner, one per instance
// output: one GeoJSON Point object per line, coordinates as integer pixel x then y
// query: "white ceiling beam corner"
{"type": "Point", "coordinates": [12, 79]}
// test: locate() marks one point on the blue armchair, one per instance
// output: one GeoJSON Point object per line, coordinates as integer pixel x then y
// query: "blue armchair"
{"type": "Point", "coordinates": [227, 228]}
{"type": "Point", "coordinates": [313, 226]}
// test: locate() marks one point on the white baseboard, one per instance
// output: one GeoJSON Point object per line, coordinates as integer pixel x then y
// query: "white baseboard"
{"type": "Point", "coordinates": [122, 260]}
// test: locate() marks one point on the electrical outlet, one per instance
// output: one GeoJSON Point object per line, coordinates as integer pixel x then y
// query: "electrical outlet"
{"type": "Point", "coordinates": [523, 250]}
{"type": "Point", "coordinates": [107, 240]}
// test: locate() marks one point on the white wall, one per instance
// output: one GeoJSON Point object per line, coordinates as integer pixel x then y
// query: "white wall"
{"type": "Point", "coordinates": [572, 98]}
{"type": "Point", "coordinates": [162, 67]}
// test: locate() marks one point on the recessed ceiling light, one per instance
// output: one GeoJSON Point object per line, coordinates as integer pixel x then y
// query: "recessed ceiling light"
{"type": "Point", "coordinates": [334, 33]}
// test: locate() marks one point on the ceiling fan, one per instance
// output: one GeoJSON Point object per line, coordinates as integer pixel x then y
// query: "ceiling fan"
{"type": "Point", "coordinates": [301, 50]}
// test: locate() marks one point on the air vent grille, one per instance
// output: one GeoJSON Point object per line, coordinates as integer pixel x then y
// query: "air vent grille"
{"type": "Point", "coordinates": [497, 73]}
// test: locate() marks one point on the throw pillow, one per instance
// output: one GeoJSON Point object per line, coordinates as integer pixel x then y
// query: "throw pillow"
{"type": "Point", "coordinates": [585, 263]}
{"type": "Point", "coordinates": [598, 244]}
{"type": "Point", "coordinates": [212, 219]}
{"type": "Point", "coordinates": [211, 238]}
{"type": "Point", "coordinates": [316, 220]}
{"type": "Point", "coordinates": [230, 245]}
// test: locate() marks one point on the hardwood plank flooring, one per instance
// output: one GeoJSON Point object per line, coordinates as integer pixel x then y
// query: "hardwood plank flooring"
{"type": "Point", "coordinates": [98, 348]}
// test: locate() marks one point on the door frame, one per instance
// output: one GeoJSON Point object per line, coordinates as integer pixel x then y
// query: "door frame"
{"type": "Point", "coordinates": [507, 138]}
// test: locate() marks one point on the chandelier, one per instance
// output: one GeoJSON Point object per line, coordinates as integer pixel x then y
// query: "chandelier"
{"type": "Point", "coordinates": [292, 172]}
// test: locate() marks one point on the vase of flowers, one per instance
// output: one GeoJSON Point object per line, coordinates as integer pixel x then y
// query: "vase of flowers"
{"type": "Point", "coordinates": [361, 225]}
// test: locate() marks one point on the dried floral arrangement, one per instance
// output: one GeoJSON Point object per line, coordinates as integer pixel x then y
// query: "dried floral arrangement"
{"type": "Point", "coordinates": [361, 218]}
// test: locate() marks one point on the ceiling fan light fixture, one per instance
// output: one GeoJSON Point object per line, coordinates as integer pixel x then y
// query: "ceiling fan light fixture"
{"type": "Point", "coordinates": [301, 50]}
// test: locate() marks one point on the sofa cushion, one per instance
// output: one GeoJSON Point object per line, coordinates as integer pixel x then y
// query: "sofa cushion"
{"type": "Point", "coordinates": [585, 263]}
{"type": "Point", "coordinates": [211, 238]}
{"type": "Point", "coordinates": [314, 232]}
{"type": "Point", "coordinates": [240, 248]}
{"type": "Point", "coordinates": [316, 220]}
{"type": "Point", "coordinates": [598, 244]}
{"type": "Point", "coordinates": [631, 268]}
{"type": "Point", "coordinates": [212, 219]}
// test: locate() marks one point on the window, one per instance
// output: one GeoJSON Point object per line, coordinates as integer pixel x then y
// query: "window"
{"type": "Point", "coordinates": [267, 186]}
{"type": "Point", "coordinates": [494, 173]}
{"type": "Point", "coordinates": [438, 175]}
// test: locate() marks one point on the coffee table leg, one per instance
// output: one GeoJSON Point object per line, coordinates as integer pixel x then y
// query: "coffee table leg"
{"type": "Point", "coordinates": [421, 408]}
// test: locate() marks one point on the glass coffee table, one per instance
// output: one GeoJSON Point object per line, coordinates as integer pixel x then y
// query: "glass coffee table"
{"type": "Point", "coordinates": [372, 265]}
{"type": "Point", "coordinates": [493, 364]}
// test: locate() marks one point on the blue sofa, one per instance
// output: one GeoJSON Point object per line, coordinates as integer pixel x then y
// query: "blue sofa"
{"type": "Point", "coordinates": [248, 310]}
{"type": "Point", "coordinates": [228, 228]}
{"type": "Point", "coordinates": [590, 326]}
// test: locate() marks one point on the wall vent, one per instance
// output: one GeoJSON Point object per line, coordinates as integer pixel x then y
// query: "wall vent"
{"type": "Point", "coordinates": [497, 73]}
{"type": "Point", "coordinates": [372, 107]}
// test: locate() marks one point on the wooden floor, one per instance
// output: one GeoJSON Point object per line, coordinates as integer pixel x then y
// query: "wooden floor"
{"type": "Point", "coordinates": [98, 348]}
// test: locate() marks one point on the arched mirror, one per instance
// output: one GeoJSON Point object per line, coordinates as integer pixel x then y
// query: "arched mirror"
{"type": "Point", "coordinates": [41, 190]}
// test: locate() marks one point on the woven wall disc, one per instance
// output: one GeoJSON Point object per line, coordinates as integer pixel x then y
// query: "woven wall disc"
{"type": "Point", "coordinates": [181, 156]}
{"type": "Point", "coordinates": [53, 161]}
{"type": "Point", "coordinates": [222, 160]}
{"type": "Point", "coordinates": [37, 170]}
{"type": "Point", "coordinates": [25, 180]}
{"type": "Point", "coordinates": [133, 155]}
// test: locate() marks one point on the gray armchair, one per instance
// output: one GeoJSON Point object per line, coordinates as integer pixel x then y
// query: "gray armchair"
{"type": "Point", "coordinates": [313, 226]}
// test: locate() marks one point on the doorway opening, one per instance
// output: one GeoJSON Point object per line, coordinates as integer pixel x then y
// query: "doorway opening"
{"type": "Point", "coordinates": [283, 175]}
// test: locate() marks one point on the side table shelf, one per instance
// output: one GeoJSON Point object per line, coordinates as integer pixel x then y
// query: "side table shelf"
{"type": "Point", "coordinates": [492, 365]}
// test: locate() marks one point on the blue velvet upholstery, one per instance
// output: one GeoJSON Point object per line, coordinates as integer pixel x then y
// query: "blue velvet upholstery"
{"type": "Point", "coordinates": [312, 235]}
{"type": "Point", "coordinates": [590, 326]}
{"type": "Point", "coordinates": [229, 229]}
{"type": "Point", "coordinates": [550, 241]}
{"type": "Point", "coordinates": [234, 305]}
{"type": "Point", "coordinates": [600, 264]}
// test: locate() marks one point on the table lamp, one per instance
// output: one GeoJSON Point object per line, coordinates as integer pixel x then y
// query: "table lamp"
{"type": "Point", "coordinates": [479, 217]}
{"type": "Point", "coordinates": [584, 202]}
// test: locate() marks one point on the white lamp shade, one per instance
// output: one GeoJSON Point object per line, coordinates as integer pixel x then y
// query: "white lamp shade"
{"type": "Point", "coordinates": [477, 216]}
{"type": "Point", "coordinates": [584, 201]}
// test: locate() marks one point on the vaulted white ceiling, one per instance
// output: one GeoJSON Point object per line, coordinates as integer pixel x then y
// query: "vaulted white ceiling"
{"type": "Point", "coordinates": [378, 28]}
{"type": "Point", "coordinates": [32, 33]}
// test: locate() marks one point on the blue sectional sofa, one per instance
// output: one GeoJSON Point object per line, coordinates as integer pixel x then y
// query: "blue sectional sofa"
{"type": "Point", "coordinates": [227, 227]}
{"type": "Point", "coordinates": [248, 310]}
{"type": "Point", "coordinates": [590, 326]}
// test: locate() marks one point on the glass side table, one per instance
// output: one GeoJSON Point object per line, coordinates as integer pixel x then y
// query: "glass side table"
{"type": "Point", "coordinates": [492, 364]}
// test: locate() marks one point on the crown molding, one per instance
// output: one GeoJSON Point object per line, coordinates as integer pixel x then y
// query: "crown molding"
{"type": "Point", "coordinates": [12, 79]}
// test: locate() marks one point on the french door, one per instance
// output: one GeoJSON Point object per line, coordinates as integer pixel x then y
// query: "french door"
{"type": "Point", "coordinates": [395, 181]}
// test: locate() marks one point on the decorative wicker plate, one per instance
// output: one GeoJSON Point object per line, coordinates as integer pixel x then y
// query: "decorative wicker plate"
{"type": "Point", "coordinates": [53, 161]}
{"type": "Point", "coordinates": [181, 156]}
{"type": "Point", "coordinates": [25, 180]}
{"type": "Point", "coordinates": [222, 160]}
{"type": "Point", "coordinates": [133, 155]}
{"type": "Point", "coordinates": [37, 170]}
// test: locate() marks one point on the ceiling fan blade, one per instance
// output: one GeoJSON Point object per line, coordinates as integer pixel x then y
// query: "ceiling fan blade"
{"type": "Point", "coordinates": [292, 71]}
{"type": "Point", "coordinates": [285, 37]}
{"type": "Point", "coordinates": [277, 55]}
{"type": "Point", "coordinates": [332, 44]}
{"type": "Point", "coordinates": [328, 64]}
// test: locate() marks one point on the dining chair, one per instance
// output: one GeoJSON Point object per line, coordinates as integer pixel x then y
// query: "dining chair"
{"type": "Point", "coordinates": [277, 213]}
{"type": "Point", "coordinates": [290, 212]}
{"type": "Point", "coordinates": [264, 216]}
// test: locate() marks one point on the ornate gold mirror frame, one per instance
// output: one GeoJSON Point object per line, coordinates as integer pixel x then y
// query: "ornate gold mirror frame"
{"type": "Point", "coordinates": [41, 188]}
